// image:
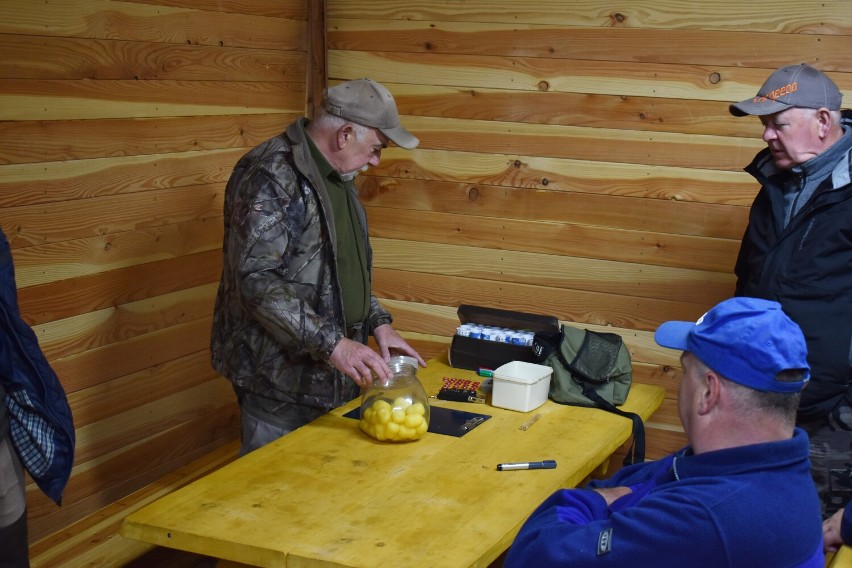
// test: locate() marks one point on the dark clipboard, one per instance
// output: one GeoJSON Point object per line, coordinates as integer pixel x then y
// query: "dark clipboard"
{"type": "Point", "coordinates": [445, 421]}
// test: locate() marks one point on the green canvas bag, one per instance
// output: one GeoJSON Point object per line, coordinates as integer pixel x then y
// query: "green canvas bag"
{"type": "Point", "coordinates": [591, 369]}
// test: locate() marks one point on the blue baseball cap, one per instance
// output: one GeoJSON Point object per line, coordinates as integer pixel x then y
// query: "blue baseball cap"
{"type": "Point", "coordinates": [747, 340]}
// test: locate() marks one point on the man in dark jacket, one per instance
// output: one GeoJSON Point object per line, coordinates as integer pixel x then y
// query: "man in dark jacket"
{"type": "Point", "coordinates": [797, 249]}
{"type": "Point", "coordinates": [295, 306]}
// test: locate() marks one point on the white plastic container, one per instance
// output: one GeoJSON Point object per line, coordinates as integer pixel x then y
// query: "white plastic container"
{"type": "Point", "coordinates": [521, 386]}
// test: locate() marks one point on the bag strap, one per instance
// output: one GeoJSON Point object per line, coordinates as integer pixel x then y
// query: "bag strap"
{"type": "Point", "coordinates": [636, 451]}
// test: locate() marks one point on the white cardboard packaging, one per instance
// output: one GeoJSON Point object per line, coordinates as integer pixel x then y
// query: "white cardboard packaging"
{"type": "Point", "coordinates": [521, 386]}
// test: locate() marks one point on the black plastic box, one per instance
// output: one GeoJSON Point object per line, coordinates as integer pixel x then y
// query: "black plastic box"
{"type": "Point", "coordinates": [471, 353]}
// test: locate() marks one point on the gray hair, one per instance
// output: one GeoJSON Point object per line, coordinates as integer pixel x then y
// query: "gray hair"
{"type": "Point", "coordinates": [835, 114]}
{"type": "Point", "coordinates": [324, 120]}
{"type": "Point", "coordinates": [783, 404]}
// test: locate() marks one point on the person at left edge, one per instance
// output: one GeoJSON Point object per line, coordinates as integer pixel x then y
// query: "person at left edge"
{"type": "Point", "coordinates": [295, 307]}
{"type": "Point", "coordinates": [739, 494]}
{"type": "Point", "coordinates": [36, 426]}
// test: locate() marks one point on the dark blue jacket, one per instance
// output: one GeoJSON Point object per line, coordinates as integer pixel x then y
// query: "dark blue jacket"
{"type": "Point", "coordinates": [39, 417]}
{"type": "Point", "coordinates": [753, 505]}
{"type": "Point", "coordinates": [807, 268]}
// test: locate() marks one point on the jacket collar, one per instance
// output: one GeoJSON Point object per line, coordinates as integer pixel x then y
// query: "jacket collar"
{"type": "Point", "coordinates": [743, 459]}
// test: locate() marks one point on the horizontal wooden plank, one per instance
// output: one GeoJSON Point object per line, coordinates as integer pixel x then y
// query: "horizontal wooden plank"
{"type": "Point", "coordinates": [124, 322]}
{"type": "Point", "coordinates": [112, 214]}
{"type": "Point", "coordinates": [705, 82]}
{"type": "Point", "coordinates": [97, 366]}
{"type": "Point", "coordinates": [98, 441]}
{"type": "Point", "coordinates": [621, 112]}
{"type": "Point", "coordinates": [667, 416]}
{"type": "Point", "coordinates": [565, 174]}
{"type": "Point", "coordinates": [123, 394]}
{"type": "Point", "coordinates": [70, 297]}
{"type": "Point", "coordinates": [105, 19]}
{"type": "Point", "coordinates": [292, 9]}
{"type": "Point", "coordinates": [83, 257]}
{"type": "Point", "coordinates": [28, 57]}
{"type": "Point", "coordinates": [50, 182]}
{"type": "Point", "coordinates": [735, 47]}
{"type": "Point", "coordinates": [39, 99]}
{"type": "Point", "coordinates": [557, 238]}
{"type": "Point", "coordinates": [478, 197]}
{"type": "Point", "coordinates": [50, 99]}
{"type": "Point", "coordinates": [659, 443]}
{"type": "Point", "coordinates": [552, 271]}
{"type": "Point", "coordinates": [580, 306]}
{"type": "Point", "coordinates": [807, 16]}
{"type": "Point", "coordinates": [582, 143]}
{"type": "Point", "coordinates": [47, 140]}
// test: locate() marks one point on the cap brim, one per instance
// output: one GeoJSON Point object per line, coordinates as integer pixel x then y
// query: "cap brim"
{"type": "Point", "coordinates": [762, 108]}
{"type": "Point", "coordinates": [401, 137]}
{"type": "Point", "coordinates": [673, 334]}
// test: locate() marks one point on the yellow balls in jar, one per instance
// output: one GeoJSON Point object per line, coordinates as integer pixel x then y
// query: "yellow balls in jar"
{"type": "Point", "coordinates": [396, 421]}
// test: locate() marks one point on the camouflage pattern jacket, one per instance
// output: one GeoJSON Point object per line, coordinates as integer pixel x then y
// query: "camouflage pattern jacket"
{"type": "Point", "coordinates": [279, 313]}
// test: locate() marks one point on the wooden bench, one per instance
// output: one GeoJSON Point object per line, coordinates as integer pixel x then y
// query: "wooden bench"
{"type": "Point", "coordinates": [94, 540]}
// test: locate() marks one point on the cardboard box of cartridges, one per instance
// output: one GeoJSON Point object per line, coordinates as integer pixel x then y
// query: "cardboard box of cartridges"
{"type": "Point", "coordinates": [488, 337]}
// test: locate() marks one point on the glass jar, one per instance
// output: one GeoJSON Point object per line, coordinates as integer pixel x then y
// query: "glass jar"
{"type": "Point", "coordinates": [396, 410]}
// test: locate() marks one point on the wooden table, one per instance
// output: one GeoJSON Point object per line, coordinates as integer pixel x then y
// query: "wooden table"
{"type": "Point", "coordinates": [841, 559]}
{"type": "Point", "coordinates": [327, 495]}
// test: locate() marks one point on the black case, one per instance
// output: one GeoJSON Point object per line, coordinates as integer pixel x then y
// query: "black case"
{"type": "Point", "coordinates": [470, 353]}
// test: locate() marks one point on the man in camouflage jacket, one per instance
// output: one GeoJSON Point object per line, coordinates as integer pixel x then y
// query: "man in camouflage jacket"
{"type": "Point", "coordinates": [295, 308]}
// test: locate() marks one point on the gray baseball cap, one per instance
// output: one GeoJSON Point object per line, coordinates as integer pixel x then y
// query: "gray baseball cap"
{"type": "Point", "coordinates": [791, 86]}
{"type": "Point", "coordinates": [369, 103]}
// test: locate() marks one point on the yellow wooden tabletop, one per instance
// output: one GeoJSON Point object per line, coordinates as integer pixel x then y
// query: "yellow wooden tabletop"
{"type": "Point", "coordinates": [327, 495]}
{"type": "Point", "coordinates": [841, 559]}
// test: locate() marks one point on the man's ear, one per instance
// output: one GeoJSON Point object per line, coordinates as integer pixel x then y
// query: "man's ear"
{"type": "Point", "coordinates": [344, 134]}
{"type": "Point", "coordinates": [824, 118]}
{"type": "Point", "coordinates": [711, 392]}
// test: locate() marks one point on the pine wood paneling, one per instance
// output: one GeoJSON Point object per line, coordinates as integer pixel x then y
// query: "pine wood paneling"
{"type": "Point", "coordinates": [482, 196]}
{"type": "Point", "coordinates": [48, 140]}
{"type": "Point", "coordinates": [804, 17]}
{"type": "Point", "coordinates": [556, 238]}
{"type": "Point", "coordinates": [120, 122]}
{"type": "Point", "coordinates": [77, 58]}
{"type": "Point", "coordinates": [641, 45]}
{"type": "Point", "coordinates": [580, 143]}
{"type": "Point", "coordinates": [128, 20]}
{"type": "Point", "coordinates": [619, 112]}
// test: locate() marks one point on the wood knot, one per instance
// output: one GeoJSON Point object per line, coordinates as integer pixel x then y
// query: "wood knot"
{"type": "Point", "coordinates": [473, 194]}
{"type": "Point", "coordinates": [618, 18]}
{"type": "Point", "coordinates": [543, 86]}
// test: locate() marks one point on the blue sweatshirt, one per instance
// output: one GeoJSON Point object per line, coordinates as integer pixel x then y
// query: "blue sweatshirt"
{"type": "Point", "coordinates": [748, 506]}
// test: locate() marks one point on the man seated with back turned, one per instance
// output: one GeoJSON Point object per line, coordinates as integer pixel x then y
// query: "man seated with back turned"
{"type": "Point", "coordinates": [740, 494]}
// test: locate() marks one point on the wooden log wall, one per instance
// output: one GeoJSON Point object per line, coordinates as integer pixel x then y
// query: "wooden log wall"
{"type": "Point", "coordinates": [120, 122]}
{"type": "Point", "coordinates": [577, 157]}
